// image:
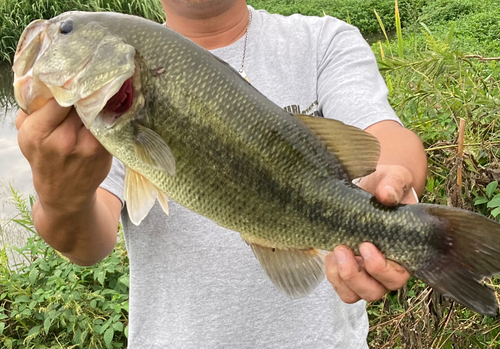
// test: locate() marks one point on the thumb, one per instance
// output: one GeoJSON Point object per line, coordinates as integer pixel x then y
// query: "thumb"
{"type": "Point", "coordinates": [48, 117]}
{"type": "Point", "coordinates": [393, 187]}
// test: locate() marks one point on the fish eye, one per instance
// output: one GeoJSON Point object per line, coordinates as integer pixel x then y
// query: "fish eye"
{"type": "Point", "coordinates": [66, 27]}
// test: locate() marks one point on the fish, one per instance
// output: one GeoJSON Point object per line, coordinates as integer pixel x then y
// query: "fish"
{"type": "Point", "coordinates": [189, 128]}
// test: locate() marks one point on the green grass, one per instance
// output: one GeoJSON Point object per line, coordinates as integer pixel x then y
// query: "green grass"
{"type": "Point", "coordinates": [15, 15]}
{"type": "Point", "coordinates": [47, 301]}
{"type": "Point", "coordinates": [434, 82]}
{"type": "Point", "coordinates": [6, 89]}
{"type": "Point", "coordinates": [357, 12]}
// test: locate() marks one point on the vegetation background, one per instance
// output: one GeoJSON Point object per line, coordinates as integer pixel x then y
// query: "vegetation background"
{"type": "Point", "coordinates": [440, 61]}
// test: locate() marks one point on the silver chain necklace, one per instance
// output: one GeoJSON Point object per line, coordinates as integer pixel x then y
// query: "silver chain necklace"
{"type": "Point", "coordinates": [241, 71]}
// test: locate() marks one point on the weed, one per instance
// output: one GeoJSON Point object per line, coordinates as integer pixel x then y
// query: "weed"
{"type": "Point", "coordinates": [432, 85]}
{"type": "Point", "coordinates": [47, 301]}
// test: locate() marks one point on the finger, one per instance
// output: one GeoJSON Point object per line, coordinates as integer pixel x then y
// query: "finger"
{"type": "Point", "coordinates": [49, 116]}
{"type": "Point", "coordinates": [332, 274]}
{"type": "Point", "coordinates": [67, 133]}
{"type": "Point", "coordinates": [90, 146]}
{"type": "Point", "coordinates": [355, 279]}
{"type": "Point", "coordinates": [86, 142]}
{"type": "Point", "coordinates": [388, 273]}
{"type": "Point", "coordinates": [72, 121]}
{"type": "Point", "coordinates": [394, 186]}
{"type": "Point", "coordinates": [368, 183]}
{"type": "Point", "coordinates": [20, 118]}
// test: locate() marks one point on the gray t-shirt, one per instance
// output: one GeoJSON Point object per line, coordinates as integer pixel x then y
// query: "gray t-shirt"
{"type": "Point", "coordinates": [194, 284]}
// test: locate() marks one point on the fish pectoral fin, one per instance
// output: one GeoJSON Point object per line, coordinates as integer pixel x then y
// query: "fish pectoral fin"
{"type": "Point", "coordinates": [356, 149]}
{"type": "Point", "coordinates": [152, 150]}
{"type": "Point", "coordinates": [295, 272]}
{"type": "Point", "coordinates": [140, 195]}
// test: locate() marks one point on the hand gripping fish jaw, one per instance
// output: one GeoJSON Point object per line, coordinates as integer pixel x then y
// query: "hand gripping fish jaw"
{"type": "Point", "coordinates": [77, 63]}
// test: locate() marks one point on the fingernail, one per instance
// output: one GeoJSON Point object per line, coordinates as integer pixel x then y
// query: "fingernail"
{"type": "Point", "coordinates": [340, 256]}
{"type": "Point", "coordinates": [365, 252]}
{"type": "Point", "coordinates": [393, 193]}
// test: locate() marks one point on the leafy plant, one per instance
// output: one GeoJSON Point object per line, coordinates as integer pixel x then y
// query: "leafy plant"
{"type": "Point", "coordinates": [491, 199]}
{"type": "Point", "coordinates": [48, 301]}
{"type": "Point", "coordinates": [433, 84]}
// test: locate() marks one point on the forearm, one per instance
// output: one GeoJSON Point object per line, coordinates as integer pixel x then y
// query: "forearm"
{"type": "Point", "coordinates": [86, 233]}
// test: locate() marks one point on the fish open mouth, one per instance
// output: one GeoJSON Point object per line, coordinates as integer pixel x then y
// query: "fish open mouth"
{"type": "Point", "coordinates": [122, 100]}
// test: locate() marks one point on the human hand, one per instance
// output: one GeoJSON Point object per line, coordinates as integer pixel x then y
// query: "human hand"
{"type": "Point", "coordinates": [370, 276]}
{"type": "Point", "coordinates": [67, 162]}
{"type": "Point", "coordinates": [391, 184]}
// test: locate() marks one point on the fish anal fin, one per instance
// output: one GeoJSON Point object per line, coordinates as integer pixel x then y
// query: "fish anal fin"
{"type": "Point", "coordinates": [295, 272]}
{"type": "Point", "coordinates": [152, 150]}
{"type": "Point", "coordinates": [357, 150]}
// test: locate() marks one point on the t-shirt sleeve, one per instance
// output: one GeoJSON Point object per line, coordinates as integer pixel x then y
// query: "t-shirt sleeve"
{"type": "Point", "coordinates": [114, 181]}
{"type": "Point", "coordinates": [350, 87]}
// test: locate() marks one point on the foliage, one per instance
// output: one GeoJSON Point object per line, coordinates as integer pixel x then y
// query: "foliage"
{"type": "Point", "coordinates": [356, 12]}
{"type": "Point", "coordinates": [479, 31]}
{"type": "Point", "coordinates": [490, 201]}
{"type": "Point", "coordinates": [444, 11]}
{"type": "Point", "coordinates": [15, 15]}
{"type": "Point", "coordinates": [476, 22]}
{"type": "Point", "coordinates": [50, 302]}
{"type": "Point", "coordinates": [6, 89]}
{"type": "Point", "coordinates": [418, 317]}
{"type": "Point", "coordinates": [432, 89]}
{"type": "Point", "coordinates": [432, 85]}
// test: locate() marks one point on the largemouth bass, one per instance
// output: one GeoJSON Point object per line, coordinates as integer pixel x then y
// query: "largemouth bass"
{"type": "Point", "coordinates": [189, 128]}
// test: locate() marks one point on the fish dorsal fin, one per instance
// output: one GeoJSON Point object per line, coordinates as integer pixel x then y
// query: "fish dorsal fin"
{"type": "Point", "coordinates": [152, 150]}
{"type": "Point", "coordinates": [140, 195]}
{"type": "Point", "coordinates": [295, 272]}
{"type": "Point", "coordinates": [356, 149]}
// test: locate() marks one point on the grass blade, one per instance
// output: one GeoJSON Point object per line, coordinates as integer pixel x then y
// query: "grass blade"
{"type": "Point", "coordinates": [399, 32]}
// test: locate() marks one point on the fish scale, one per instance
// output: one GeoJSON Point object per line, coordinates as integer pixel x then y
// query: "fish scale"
{"type": "Point", "coordinates": [278, 220]}
{"type": "Point", "coordinates": [200, 134]}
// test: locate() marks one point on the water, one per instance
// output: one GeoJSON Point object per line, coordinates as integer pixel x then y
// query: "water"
{"type": "Point", "coordinates": [14, 168]}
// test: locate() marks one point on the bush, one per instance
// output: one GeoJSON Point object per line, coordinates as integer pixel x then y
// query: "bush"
{"type": "Point", "coordinates": [51, 302]}
{"type": "Point", "coordinates": [479, 32]}
{"type": "Point", "coordinates": [357, 12]}
{"type": "Point", "coordinates": [440, 11]}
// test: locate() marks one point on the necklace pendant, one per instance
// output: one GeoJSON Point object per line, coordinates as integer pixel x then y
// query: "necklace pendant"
{"type": "Point", "coordinates": [243, 75]}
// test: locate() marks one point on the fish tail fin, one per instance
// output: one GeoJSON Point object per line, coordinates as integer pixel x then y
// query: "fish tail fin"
{"type": "Point", "coordinates": [470, 251]}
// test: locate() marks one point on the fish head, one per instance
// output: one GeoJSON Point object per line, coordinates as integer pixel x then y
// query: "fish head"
{"type": "Point", "coordinates": [75, 60]}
